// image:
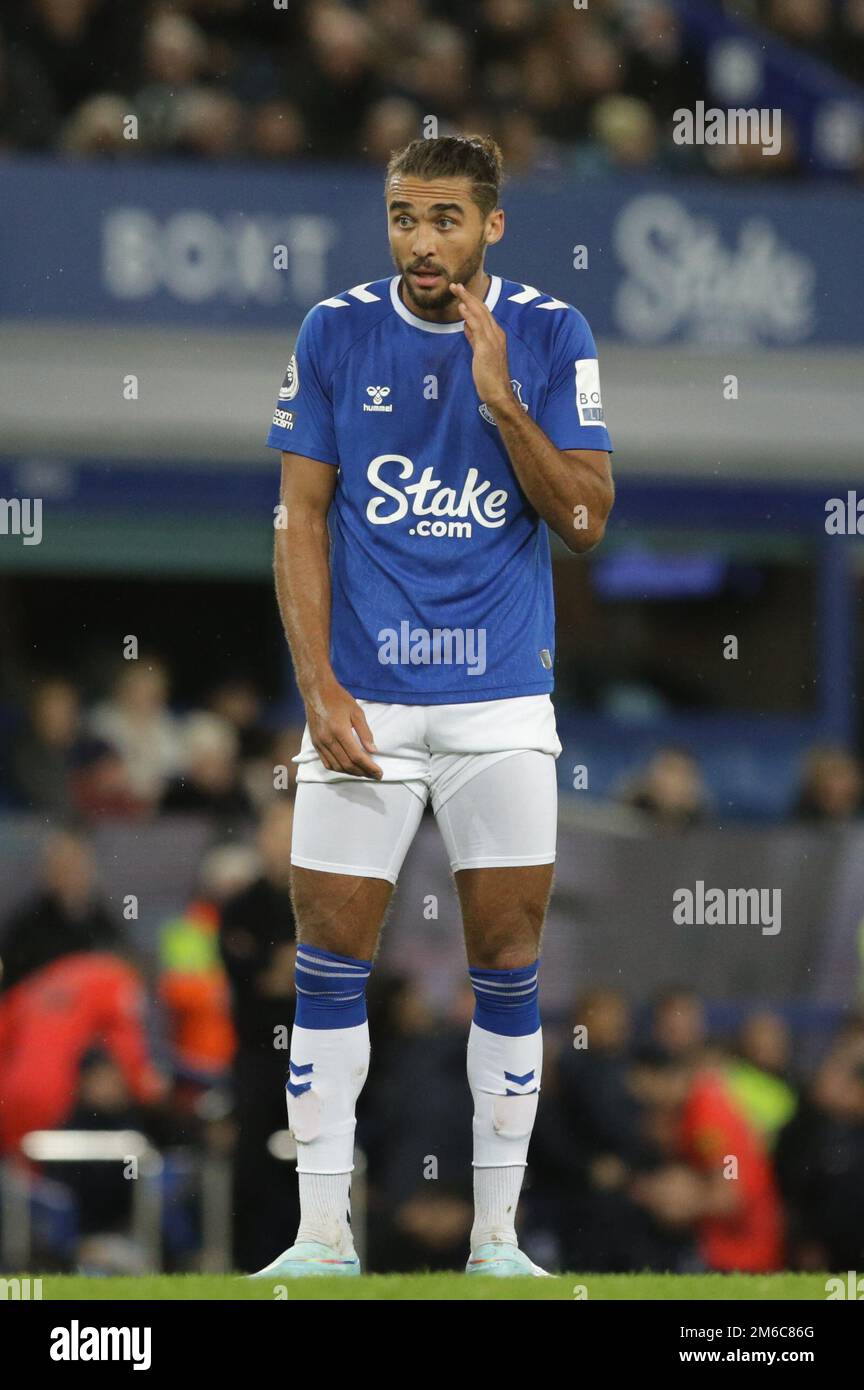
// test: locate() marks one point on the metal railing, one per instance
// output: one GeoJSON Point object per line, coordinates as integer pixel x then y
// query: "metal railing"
{"type": "Point", "coordinates": [126, 1146]}
{"type": "Point", "coordinates": [132, 1147]}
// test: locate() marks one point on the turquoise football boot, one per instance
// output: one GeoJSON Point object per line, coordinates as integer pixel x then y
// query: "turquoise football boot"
{"type": "Point", "coordinates": [308, 1258]}
{"type": "Point", "coordinates": [503, 1262]}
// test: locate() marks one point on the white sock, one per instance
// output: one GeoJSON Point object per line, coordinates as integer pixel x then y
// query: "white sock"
{"type": "Point", "coordinates": [322, 1120]}
{"type": "Point", "coordinates": [496, 1195]}
{"type": "Point", "coordinates": [325, 1207]}
{"type": "Point", "coordinates": [504, 1074]}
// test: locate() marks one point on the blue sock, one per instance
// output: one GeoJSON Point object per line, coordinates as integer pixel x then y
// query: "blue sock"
{"type": "Point", "coordinates": [507, 1000]}
{"type": "Point", "coordinates": [331, 989]}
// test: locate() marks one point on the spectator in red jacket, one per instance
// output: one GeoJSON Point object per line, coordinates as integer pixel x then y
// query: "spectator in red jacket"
{"type": "Point", "coordinates": [49, 1022]}
{"type": "Point", "coordinates": [719, 1178]}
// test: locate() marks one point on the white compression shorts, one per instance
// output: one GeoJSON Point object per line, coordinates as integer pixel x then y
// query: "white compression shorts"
{"type": "Point", "coordinates": [488, 768]}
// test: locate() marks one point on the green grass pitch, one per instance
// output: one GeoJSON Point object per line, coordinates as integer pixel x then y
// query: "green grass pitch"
{"type": "Point", "coordinates": [435, 1287]}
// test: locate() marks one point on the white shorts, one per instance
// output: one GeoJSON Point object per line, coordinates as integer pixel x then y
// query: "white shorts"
{"type": "Point", "coordinates": [488, 768]}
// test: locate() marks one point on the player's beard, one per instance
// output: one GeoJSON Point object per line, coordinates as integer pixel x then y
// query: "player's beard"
{"type": "Point", "coordinates": [441, 299]}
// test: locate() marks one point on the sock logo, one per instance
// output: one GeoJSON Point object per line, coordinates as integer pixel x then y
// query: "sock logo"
{"type": "Point", "coordinates": [522, 1082]}
{"type": "Point", "coordinates": [297, 1088]}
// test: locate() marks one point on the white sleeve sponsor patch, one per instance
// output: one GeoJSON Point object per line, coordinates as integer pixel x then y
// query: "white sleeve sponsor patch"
{"type": "Point", "coordinates": [588, 401]}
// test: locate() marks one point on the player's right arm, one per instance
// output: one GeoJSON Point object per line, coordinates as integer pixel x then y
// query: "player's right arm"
{"type": "Point", "coordinates": [337, 724]}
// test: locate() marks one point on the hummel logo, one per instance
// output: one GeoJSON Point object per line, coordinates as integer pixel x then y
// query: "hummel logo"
{"type": "Point", "coordinates": [378, 394]}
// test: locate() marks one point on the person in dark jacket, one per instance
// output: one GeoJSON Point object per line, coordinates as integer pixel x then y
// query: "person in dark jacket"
{"type": "Point", "coordinates": [256, 939]}
{"type": "Point", "coordinates": [66, 917]}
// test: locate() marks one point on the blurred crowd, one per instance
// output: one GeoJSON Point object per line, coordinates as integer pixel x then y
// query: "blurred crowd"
{"type": "Point", "coordinates": [563, 90]}
{"type": "Point", "coordinates": [130, 757]}
{"type": "Point", "coordinates": [670, 790]}
{"type": "Point", "coordinates": [666, 1148]}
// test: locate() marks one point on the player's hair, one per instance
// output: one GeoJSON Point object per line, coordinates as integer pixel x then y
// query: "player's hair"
{"type": "Point", "coordinates": [474, 157]}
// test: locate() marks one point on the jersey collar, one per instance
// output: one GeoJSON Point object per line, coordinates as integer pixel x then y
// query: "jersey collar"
{"type": "Point", "coordinates": [405, 313]}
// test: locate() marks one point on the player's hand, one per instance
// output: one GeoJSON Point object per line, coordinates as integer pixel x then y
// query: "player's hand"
{"type": "Point", "coordinates": [340, 733]}
{"type": "Point", "coordinates": [488, 340]}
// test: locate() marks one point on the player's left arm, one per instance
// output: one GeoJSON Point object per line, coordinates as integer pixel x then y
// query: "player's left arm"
{"type": "Point", "coordinates": [571, 489]}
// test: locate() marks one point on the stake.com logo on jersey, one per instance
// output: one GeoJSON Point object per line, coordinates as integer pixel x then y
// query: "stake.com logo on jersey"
{"type": "Point", "coordinates": [429, 499]}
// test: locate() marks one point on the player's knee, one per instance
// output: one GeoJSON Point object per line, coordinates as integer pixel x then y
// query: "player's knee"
{"type": "Point", "coordinates": [514, 957]}
{"type": "Point", "coordinates": [512, 937]}
{"type": "Point", "coordinates": [512, 946]}
{"type": "Point", "coordinates": [327, 930]}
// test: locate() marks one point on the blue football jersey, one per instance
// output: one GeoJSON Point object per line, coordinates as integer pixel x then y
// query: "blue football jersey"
{"type": "Point", "coordinates": [441, 575]}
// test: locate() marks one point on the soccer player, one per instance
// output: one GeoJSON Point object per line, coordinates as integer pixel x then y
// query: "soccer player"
{"type": "Point", "coordinates": [432, 426]}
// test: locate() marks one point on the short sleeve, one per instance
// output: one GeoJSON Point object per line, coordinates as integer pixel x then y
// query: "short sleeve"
{"type": "Point", "coordinates": [303, 417]}
{"type": "Point", "coordinates": [572, 414]}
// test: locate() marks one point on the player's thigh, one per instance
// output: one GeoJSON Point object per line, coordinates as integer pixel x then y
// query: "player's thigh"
{"type": "Point", "coordinates": [500, 829]}
{"type": "Point", "coordinates": [497, 812]}
{"type": "Point", "coordinates": [348, 845]}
